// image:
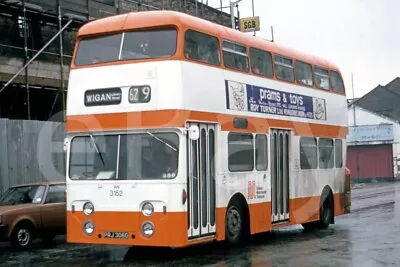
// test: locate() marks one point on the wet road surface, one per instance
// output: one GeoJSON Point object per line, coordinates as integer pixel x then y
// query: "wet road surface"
{"type": "Point", "coordinates": [369, 236]}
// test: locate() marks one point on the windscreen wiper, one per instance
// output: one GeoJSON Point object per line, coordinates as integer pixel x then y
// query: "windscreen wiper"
{"type": "Point", "coordinates": [162, 141]}
{"type": "Point", "coordinates": [97, 148]}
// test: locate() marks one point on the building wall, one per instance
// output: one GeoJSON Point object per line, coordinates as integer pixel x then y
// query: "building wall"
{"type": "Point", "coordinates": [31, 151]}
{"type": "Point", "coordinates": [364, 117]}
{"type": "Point", "coordinates": [370, 162]}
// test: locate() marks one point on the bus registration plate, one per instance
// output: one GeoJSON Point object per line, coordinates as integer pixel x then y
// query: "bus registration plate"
{"type": "Point", "coordinates": [122, 235]}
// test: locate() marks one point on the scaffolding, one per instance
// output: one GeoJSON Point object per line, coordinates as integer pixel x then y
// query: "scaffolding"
{"type": "Point", "coordinates": [31, 16]}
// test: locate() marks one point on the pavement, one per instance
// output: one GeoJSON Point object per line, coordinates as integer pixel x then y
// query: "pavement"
{"type": "Point", "coordinates": [369, 236]}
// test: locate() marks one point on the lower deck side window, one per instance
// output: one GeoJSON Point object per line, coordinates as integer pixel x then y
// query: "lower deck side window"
{"type": "Point", "coordinates": [240, 152]}
{"type": "Point", "coordinates": [308, 153]}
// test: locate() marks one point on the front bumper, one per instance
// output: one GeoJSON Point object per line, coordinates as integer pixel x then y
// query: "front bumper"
{"type": "Point", "coordinates": [3, 232]}
{"type": "Point", "coordinates": [170, 228]}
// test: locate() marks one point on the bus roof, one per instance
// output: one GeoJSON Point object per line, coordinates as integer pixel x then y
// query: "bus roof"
{"type": "Point", "coordinates": [151, 19]}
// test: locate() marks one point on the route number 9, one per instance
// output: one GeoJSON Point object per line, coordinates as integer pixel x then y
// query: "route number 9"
{"type": "Point", "coordinates": [139, 94]}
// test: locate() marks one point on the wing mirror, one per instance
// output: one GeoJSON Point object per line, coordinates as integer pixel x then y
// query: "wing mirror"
{"type": "Point", "coordinates": [193, 132]}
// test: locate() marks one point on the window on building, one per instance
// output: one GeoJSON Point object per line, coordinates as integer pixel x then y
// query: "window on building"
{"type": "Point", "coordinates": [261, 62]}
{"type": "Point", "coordinates": [326, 156]}
{"type": "Point", "coordinates": [304, 73]}
{"type": "Point", "coordinates": [337, 82]}
{"type": "Point", "coordinates": [321, 78]}
{"type": "Point", "coordinates": [202, 47]}
{"type": "Point", "coordinates": [284, 68]}
{"type": "Point", "coordinates": [261, 152]}
{"type": "Point", "coordinates": [235, 56]}
{"type": "Point", "coordinates": [338, 153]}
{"type": "Point", "coordinates": [240, 152]}
{"type": "Point", "coordinates": [308, 153]}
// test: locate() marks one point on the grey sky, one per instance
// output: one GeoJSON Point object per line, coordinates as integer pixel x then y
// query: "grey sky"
{"type": "Point", "coordinates": [360, 36]}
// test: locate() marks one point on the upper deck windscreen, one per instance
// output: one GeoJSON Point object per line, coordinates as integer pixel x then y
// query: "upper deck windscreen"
{"type": "Point", "coordinates": [127, 46]}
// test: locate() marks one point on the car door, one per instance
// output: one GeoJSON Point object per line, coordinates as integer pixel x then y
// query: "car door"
{"type": "Point", "coordinates": [54, 210]}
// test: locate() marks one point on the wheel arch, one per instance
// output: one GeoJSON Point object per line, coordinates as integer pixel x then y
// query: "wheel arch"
{"type": "Point", "coordinates": [240, 200]}
{"type": "Point", "coordinates": [22, 221]}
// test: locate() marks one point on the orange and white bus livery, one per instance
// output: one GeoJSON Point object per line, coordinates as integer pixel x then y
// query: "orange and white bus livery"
{"type": "Point", "coordinates": [182, 131]}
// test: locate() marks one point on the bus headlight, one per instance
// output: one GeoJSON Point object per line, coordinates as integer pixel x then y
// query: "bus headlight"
{"type": "Point", "coordinates": [147, 209]}
{"type": "Point", "coordinates": [88, 228]}
{"type": "Point", "coordinates": [148, 229]}
{"type": "Point", "coordinates": [88, 208]}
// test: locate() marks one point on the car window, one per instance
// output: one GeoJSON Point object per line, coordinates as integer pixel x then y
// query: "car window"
{"type": "Point", "coordinates": [56, 194]}
{"type": "Point", "coordinates": [22, 195]}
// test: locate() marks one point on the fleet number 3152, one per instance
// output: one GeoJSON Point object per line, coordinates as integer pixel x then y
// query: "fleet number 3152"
{"type": "Point", "coordinates": [116, 193]}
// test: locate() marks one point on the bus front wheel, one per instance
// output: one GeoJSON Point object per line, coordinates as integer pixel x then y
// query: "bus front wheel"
{"type": "Point", "coordinates": [236, 226]}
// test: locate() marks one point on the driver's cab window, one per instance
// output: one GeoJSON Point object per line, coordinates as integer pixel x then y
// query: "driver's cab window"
{"type": "Point", "coordinates": [56, 194]}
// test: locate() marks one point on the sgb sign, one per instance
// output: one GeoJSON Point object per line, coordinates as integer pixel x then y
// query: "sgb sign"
{"type": "Point", "coordinates": [249, 24]}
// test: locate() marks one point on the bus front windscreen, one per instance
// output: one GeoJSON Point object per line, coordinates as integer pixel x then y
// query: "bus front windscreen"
{"type": "Point", "coordinates": [124, 157]}
{"type": "Point", "coordinates": [135, 45]}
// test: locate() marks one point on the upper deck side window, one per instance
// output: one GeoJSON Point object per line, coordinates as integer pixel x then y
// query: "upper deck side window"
{"type": "Point", "coordinates": [304, 73]}
{"type": "Point", "coordinates": [235, 56]}
{"type": "Point", "coordinates": [202, 47]}
{"type": "Point", "coordinates": [144, 44]}
{"type": "Point", "coordinates": [261, 62]}
{"type": "Point", "coordinates": [284, 68]}
{"type": "Point", "coordinates": [321, 77]}
{"type": "Point", "coordinates": [337, 82]}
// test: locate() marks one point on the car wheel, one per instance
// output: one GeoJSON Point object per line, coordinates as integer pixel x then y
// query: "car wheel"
{"type": "Point", "coordinates": [22, 236]}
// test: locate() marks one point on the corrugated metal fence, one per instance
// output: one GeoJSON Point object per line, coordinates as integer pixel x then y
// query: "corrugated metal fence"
{"type": "Point", "coordinates": [31, 151]}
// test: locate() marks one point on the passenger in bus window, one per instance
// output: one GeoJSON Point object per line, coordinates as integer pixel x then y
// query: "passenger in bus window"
{"type": "Point", "coordinates": [149, 167]}
{"type": "Point", "coordinates": [239, 64]}
{"type": "Point", "coordinates": [258, 66]}
{"type": "Point", "coordinates": [206, 56]}
{"type": "Point", "coordinates": [187, 52]}
{"type": "Point", "coordinates": [191, 49]}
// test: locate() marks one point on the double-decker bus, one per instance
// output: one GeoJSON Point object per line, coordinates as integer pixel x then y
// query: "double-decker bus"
{"type": "Point", "coordinates": [181, 131]}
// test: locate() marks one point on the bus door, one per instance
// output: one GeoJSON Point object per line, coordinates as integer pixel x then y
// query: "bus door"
{"type": "Point", "coordinates": [201, 182]}
{"type": "Point", "coordinates": [280, 143]}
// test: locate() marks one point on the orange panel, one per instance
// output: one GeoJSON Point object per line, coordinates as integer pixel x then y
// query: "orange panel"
{"type": "Point", "coordinates": [130, 222]}
{"type": "Point", "coordinates": [304, 209]}
{"type": "Point", "coordinates": [260, 215]}
{"type": "Point", "coordinates": [177, 118]}
{"type": "Point", "coordinates": [221, 223]}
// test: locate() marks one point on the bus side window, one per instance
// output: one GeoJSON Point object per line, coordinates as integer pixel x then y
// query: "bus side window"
{"type": "Point", "coordinates": [326, 157]}
{"type": "Point", "coordinates": [261, 62]}
{"type": "Point", "coordinates": [337, 82]}
{"type": "Point", "coordinates": [321, 78]}
{"type": "Point", "coordinates": [304, 73]}
{"type": "Point", "coordinates": [308, 153]}
{"type": "Point", "coordinates": [202, 47]}
{"type": "Point", "coordinates": [338, 153]}
{"type": "Point", "coordinates": [235, 56]}
{"type": "Point", "coordinates": [261, 146]}
{"type": "Point", "coordinates": [240, 152]}
{"type": "Point", "coordinates": [284, 68]}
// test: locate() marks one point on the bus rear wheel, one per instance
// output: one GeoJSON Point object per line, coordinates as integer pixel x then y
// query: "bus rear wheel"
{"type": "Point", "coordinates": [236, 225]}
{"type": "Point", "coordinates": [326, 214]}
